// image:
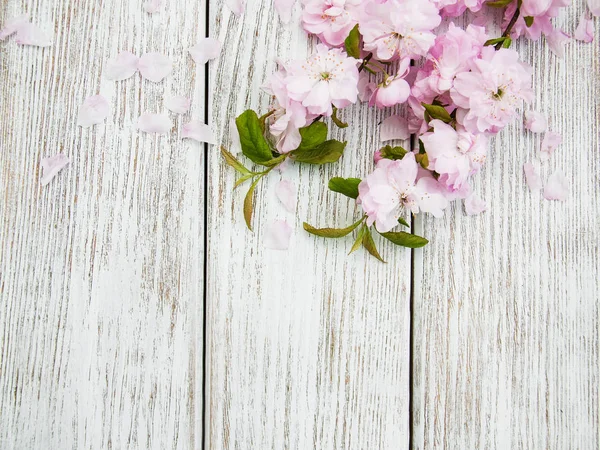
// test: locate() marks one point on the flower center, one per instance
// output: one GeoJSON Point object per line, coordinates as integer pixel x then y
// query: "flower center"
{"type": "Point", "coordinates": [325, 76]}
{"type": "Point", "coordinates": [498, 95]}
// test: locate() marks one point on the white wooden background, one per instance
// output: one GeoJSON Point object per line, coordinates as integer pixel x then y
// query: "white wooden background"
{"type": "Point", "coordinates": [120, 328]}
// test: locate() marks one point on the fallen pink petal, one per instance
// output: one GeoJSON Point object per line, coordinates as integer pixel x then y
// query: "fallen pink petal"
{"type": "Point", "coordinates": [585, 29]}
{"type": "Point", "coordinates": [51, 166]}
{"type": "Point", "coordinates": [155, 66]}
{"type": "Point", "coordinates": [30, 34]}
{"type": "Point", "coordinates": [557, 187]}
{"type": "Point", "coordinates": [236, 6]}
{"type": "Point", "coordinates": [557, 41]}
{"type": "Point", "coordinates": [535, 122]}
{"type": "Point", "coordinates": [277, 235]}
{"type": "Point", "coordinates": [122, 67]}
{"type": "Point", "coordinates": [198, 131]}
{"type": "Point", "coordinates": [93, 111]}
{"type": "Point", "coordinates": [154, 123]}
{"type": "Point", "coordinates": [13, 25]}
{"type": "Point", "coordinates": [594, 6]}
{"type": "Point", "coordinates": [284, 9]}
{"type": "Point", "coordinates": [287, 194]}
{"type": "Point", "coordinates": [474, 205]}
{"type": "Point", "coordinates": [152, 6]}
{"type": "Point", "coordinates": [178, 104]}
{"type": "Point", "coordinates": [549, 145]}
{"type": "Point", "coordinates": [394, 127]}
{"type": "Point", "coordinates": [205, 50]}
{"type": "Point", "coordinates": [532, 177]}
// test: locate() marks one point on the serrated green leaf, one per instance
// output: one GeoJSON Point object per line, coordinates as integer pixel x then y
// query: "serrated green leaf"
{"type": "Point", "coordinates": [352, 43]}
{"type": "Point", "coordinates": [313, 135]}
{"type": "Point", "coordinates": [359, 239]}
{"type": "Point", "coordinates": [394, 153]}
{"type": "Point", "coordinates": [233, 162]}
{"type": "Point", "coordinates": [254, 144]}
{"type": "Point", "coordinates": [403, 222]}
{"type": "Point", "coordinates": [406, 239]}
{"type": "Point", "coordinates": [346, 186]}
{"type": "Point", "coordinates": [437, 112]}
{"type": "Point", "coordinates": [249, 204]}
{"type": "Point", "coordinates": [369, 245]}
{"type": "Point", "coordinates": [327, 152]}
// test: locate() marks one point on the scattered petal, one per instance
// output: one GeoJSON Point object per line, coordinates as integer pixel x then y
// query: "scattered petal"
{"type": "Point", "coordinates": [154, 66]}
{"type": "Point", "coordinates": [585, 29]}
{"type": "Point", "coordinates": [394, 127]}
{"type": "Point", "coordinates": [474, 205]}
{"type": "Point", "coordinates": [154, 123]}
{"type": "Point", "coordinates": [278, 235]}
{"type": "Point", "coordinates": [152, 6]}
{"type": "Point", "coordinates": [51, 166]}
{"type": "Point", "coordinates": [549, 144]}
{"type": "Point", "coordinates": [94, 110]}
{"type": "Point", "coordinates": [594, 6]}
{"type": "Point", "coordinates": [556, 41]}
{"type": "Point", "coordinates": [287, 194]}
{"type": "Point", "coordinates": [284, 9]}
{"type": "Point", "coordinates": [30, 34]}
{"type": "Point", "coordinates": [532, 176]}
{"type": "Point", "coordinates": [13, 25]}
{"type": "Point", "coordinates": [198, 131]}
{"type": "Point", "coordinates": [285, 165]}
{"type": "Point", "coordinates": [207, 49]}
{"type": "Point", "coordinates": [535, 122]}
{"type": "Point", "coordinates": [122, 67]}
{"type": "Point", "coordinates": [178, 104]}
{"type": "Point", "coordinates": [557, 187]}
{"type": "Point", "coordinates": [236, 6]}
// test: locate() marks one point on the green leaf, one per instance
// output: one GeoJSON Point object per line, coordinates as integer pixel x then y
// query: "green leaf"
{"type": "Point", "coordinates": [254, 143]}
{"type": "Point", "coordinates": [359, 239]}
{"type": "Point", "coordinates": [332, 232]}
{"type": "Point", "coordinates": [422, 159]}
{"type": "Point", "coordinates": [275, 161]}
{"type": "Point", "coordinates": [352, 43]}
{"type": "Point", "coordinates": [242, 180]}
{"type": "Point", "coordinates": [369, 245]}
{"type": "Point", "coordinates": [346, 186]}
{"type": "Point", "coordinates": [507, 43]}
{"type": "Point", "coordinates": [406, 239]}
{"type": "Point", "coordinates": [389, 152]}
{"type": "Point", "coordinates": [249, 204]}
{"type": "Point", "coordinates": [403, 222]}
{"type": "Point", "coordinates": [495, 41]}
{"type": "Point", "coordinates": [327, 152]}
{"type": "Point", "coordinates": [528, 21]}
{"type": "Point", "coordinates": [313, 135]}
{"type": "Point", "coordinates": [499, 3]}
{"type": "Point", "coordinates": [437, 112]}
{"type": "Point", "coordinates": [233, 162]}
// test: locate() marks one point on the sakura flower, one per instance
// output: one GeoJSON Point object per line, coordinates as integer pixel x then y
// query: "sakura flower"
{"type": "Point", "coordinates": [492, 91]}
{"type": "Point", "coordinates": [154, 66]}
{"type": "Point", "coordinates": [154, 123]}
{"type": "Point", "coordinates": [455, 8]}
{"type": "Point", "coordinates": [178, 104]}
{"type": "Point", "coordinates": [13, 25]}
{"type": "Point", "coordinates": [152, 6]}
{"type": "Point", "coordinates": [330, 20]}
{"type": "Point", "coordinates": [535, 122]}
{"type": "Point", "coordinates": [474, 205]}
{"type": "Point", "coordinates": [122, 67]}
{"type": "Point", "coordinates": [393, 187]}
{"type": "Point", "coordinates": [539, 12]}
{"type": "Point", "coordinates": [51, 166]}
{"type": "Point", "coordinates": [207, 49]}
{"type": "Point", "coordinates": [391, 92]}
{"type": "Point", "coordinates": [557, 187]}
{"type": "Point", "coordinates": [557, 40]}
{"type": "Point", "coordinates": [93, 111]}
{"type": "Point", "coordinates": [549, 144]}
{"type": "Point", "coordinates": [198, 131]}
{"type": "Point", "coordinates": [394, 127]}
{"type": "Point", "coordinates": [284, 9]}
{"type": "Point", "coordinates": [532, 176]}
{"type": "Point", "coordinates": [327, 77]}
{"type": "Point", "coordinates": [594, 6]}
{"type": "Point", "coordinates": [365, 87]}
{"type": "Point", "coordinates": [585, 30]}
{"type": "Point", "coordinates": [236, 6]}
{"type": "Point", "coordinates": [287, 194]}
{"type": "Point", "coordinates": [278, 235]}
{"type": "Point", "coordinates": [30, 34]}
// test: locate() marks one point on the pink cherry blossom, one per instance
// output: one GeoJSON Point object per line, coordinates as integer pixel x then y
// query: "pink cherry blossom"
{"type": "Point", "coordinates": [549, 144]}
{"type": "Point", "coordinates": [154, 123]}
{"type": "Point", "coordinates": [474, 205]}
{"type": "Point", "coordinates": [198, 131]}
{"type": "Point", "coordinates": [93, 111]}
{"type": "Point", "coordinates": [532, 176]}
{"type": "Point", "coordinates": [393, 187]}
{"type": "Point", "coordinates": [557, 187]}
{"type": "Point", "coordinates": [540, 11]}
{"type": "Point", "coordinates": [154, 66]}
{"type": "Point", "coordinates": [207, 49]}
{"type": "Point", "coordinates": [585, 29]}
{"type": "Point", "coordinates": [51, 166]}
{"type": "Point", "coordinates": [391, 92]}
{"type": "Point", "coordinates": [330, 20]}
{"type": "Point", "coordinates": [287, 194]}
{"type": "Point", "coordinates": [178, 104]}
{"type": "Point", "coordinates": [535, 122]}
{"type": "Point", "coordinates": [278, 235]}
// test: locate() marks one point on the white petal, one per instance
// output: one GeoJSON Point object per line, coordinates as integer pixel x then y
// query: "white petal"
{"type": "Point", "coordinates": [535, 122]}
{"type": "Point", "coordinates": [154, 66]}
{"type": "Point", "coordinates": [13, 25]}
{"type": "Point", "coordinates": [474, 205]}
{"type": "Point", "coordinates": [594, 6]}
{"type": "Point", "coordinates": [287, 194]}
{"type": "Point", "coordinates": [94, 110]}
{"type": "Point", "coordinates": [532, 176]}
{"type": "Point", "coordinates": [585, 30]}
{"type": "Point", "coordinates": [394, 127]}
{"type": "Point", "coordinates": [152, 6]}
{"type": "Point", "coordinates": [51, 166]}
{"type": "Point", "coordinates": [284, 9]}
{"type": "Point", "coordinates": [178, 104]}
{"type": "Point", "coordinates": [198, 131]}
{"type": "Point", "coordinates": [205, 50]}
{"type": "Point", "coordinates": [236, 6]}
{"type": "Point", "coordinates": [557, 187]}
{"type": "Point", "coordinates": [154, 123]}
{"type": "Point", "coordinates": [30, 34]}
{"type": "Point", "coordinates": [277, 236]}
{"type": "Point", "coordinates": [556, 41]}
{"type": "Point", "coordinates": [549, 144]}
{"type": "Point", "coordinates": [122, 67]}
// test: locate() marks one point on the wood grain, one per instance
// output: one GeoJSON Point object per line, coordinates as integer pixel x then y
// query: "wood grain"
{"type": "Point", "coordinates": [506, 317]}
{"type": "Point", "coordinates": [307, 348]}
{"type": "Point", "coordinates": [101, 273]}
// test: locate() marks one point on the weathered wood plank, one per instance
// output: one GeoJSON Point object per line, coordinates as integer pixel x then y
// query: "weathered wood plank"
{"type": "Point", "coordinates": [101, 272]}
{"type": "Point", "coordinates": [307, 348]}
{"type": "Point", "coordinates": [506, 315]}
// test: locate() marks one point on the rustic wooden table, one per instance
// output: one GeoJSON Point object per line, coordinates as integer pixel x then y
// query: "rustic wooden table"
{"type": "Point", "coordinates": [138, 312]}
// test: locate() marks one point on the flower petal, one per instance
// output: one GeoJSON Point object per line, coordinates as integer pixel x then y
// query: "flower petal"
{"type": "Point", "coordinates": [13, 25]}
{"type": "Point", "coordinates": [594, 6]}
{"type": "Point", "coordinates": [549, 144]}
{"type": "Point", "coordinates": [287, 194]}
{"type": "Point", "coordinates": [30, 34]}
{"type": "Point", "coordinates": [178, 104]}
{"type": "Point", "coordinates": [585, 29]}
{"type": "Point", "coordinates": [535, 122]}
{"type": "Point", "coordinates": [278, 235]}
{"type": "Point", "coordinates": [154, 66]}
{"type": "Point", "coordinates": [532, 176]}
{"type": "Point", "coordinates": [207, 49]}
{"type": "Point", "coordinates": [51, 166]}
{"type": "Point", "coordinates": [556, 41]}
{"type": "Point", "coordinates": [236, 6]}
{"type": "Point", "coordinates": [394, 127]}
{"type": "Point", "coordinates": [474, 205]}
{"type": "Point", "coordinates": [284, 9]}
{"type": "Point", "coordinates": [154, 123]}
{"type": "Point", "coordinates": [93, 110]}
{"type": "Point", "coordinates": [152, 6]}
{"type": "Point", "coordinates": [557, 187]}
{"type": "Point", "coordinates": [198, 131]}
{"type": "Point", "coordinates": [122, 67]}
